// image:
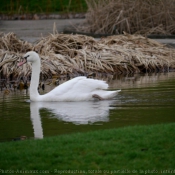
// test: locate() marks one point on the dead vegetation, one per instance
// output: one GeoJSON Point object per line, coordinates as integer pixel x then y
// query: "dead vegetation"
{"type": "Point", "coordinates": [72, 55]}
{"type": "Point", "coordinates": [132, 16]}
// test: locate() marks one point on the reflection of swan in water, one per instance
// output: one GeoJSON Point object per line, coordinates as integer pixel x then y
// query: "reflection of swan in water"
{"type": "Point", "coordinates": [36, 121]}
{"type": "Point", "coordinates": [75, 112]}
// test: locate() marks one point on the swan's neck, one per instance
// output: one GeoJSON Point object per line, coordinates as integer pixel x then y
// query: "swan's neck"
{"type": "Point", "coordinates": [35, 80]}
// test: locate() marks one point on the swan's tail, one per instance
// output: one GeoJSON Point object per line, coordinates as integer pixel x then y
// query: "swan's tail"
{"type": "Point", "coordinates": [104, 95]}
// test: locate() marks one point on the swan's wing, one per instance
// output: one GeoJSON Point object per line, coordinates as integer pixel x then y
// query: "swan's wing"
{"type": "Point", "coordinates": [89, 85]}
{"type": "Point", "coordinates": [79, 85]}
{"type": "Point", "coordinates": [66, 86]}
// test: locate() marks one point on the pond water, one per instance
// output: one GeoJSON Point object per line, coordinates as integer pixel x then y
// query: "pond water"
{"type": "Point", "coordinates": [145, 99]}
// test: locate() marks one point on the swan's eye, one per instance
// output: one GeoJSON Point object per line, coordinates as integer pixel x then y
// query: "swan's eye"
{"type": "Point", "coordinates": [26, 56]}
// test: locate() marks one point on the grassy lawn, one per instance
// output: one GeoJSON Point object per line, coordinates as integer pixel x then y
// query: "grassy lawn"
{"type": "Point", "coordinates": [42, 6]}
{"type": "Point", "coordinates": [129, 150]}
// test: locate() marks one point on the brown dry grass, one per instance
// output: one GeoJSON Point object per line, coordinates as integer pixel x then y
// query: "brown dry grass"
{"type": "Point", "coordinates": [79, 54]}
{"type": "Point", "coordinates": [11, 43]}
{"type": "Point", "coordinates": [132, 16]}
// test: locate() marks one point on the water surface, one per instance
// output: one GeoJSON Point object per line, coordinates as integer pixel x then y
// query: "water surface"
{"type": "Point", "coordinates": [144, 100]}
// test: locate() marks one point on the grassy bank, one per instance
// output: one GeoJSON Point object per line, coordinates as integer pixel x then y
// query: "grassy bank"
{"type": "Point", "coordinates": [42, 6]}
{"type": "Point", "coordinates": [130, 150]}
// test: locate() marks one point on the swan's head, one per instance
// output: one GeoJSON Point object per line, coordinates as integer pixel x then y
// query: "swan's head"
{"type": "Point", "coordinates": [29, 57]}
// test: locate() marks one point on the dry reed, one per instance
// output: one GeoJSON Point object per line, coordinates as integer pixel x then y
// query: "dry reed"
{"type": "Point", "coordinates": [132, 16]}
{"type": "Point", "coordinates": [10, 42]}
{"type": "Point", "coordinates": [79, 54]}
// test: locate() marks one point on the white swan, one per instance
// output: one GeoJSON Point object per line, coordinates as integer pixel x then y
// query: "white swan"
{"type": "Point", "coordinates": [76, 89]}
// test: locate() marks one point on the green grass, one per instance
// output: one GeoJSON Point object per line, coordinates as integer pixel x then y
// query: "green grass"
{"type": "Point", "coordinates": [42, 6]}
{"type": "Point", "coordinates": [136, 150]}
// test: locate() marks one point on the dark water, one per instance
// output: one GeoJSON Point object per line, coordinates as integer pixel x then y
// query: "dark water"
{"type": "Point", "coordinates": [144, 100]}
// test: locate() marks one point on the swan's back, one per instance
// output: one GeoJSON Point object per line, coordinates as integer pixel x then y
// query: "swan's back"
{"type": "Point", "coordinates": [80, 89]}
{"type": "Point", "coordinates": [81, 85]}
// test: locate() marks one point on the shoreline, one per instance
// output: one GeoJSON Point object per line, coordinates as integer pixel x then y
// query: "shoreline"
{"type": "Point", "coordinates": [38, 16]}
{"type": "Point", "coordinates": [32, 30]}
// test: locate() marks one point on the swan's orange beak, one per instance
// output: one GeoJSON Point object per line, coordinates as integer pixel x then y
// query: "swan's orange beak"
{"type": "Point", "coordinates": [23, 62]}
